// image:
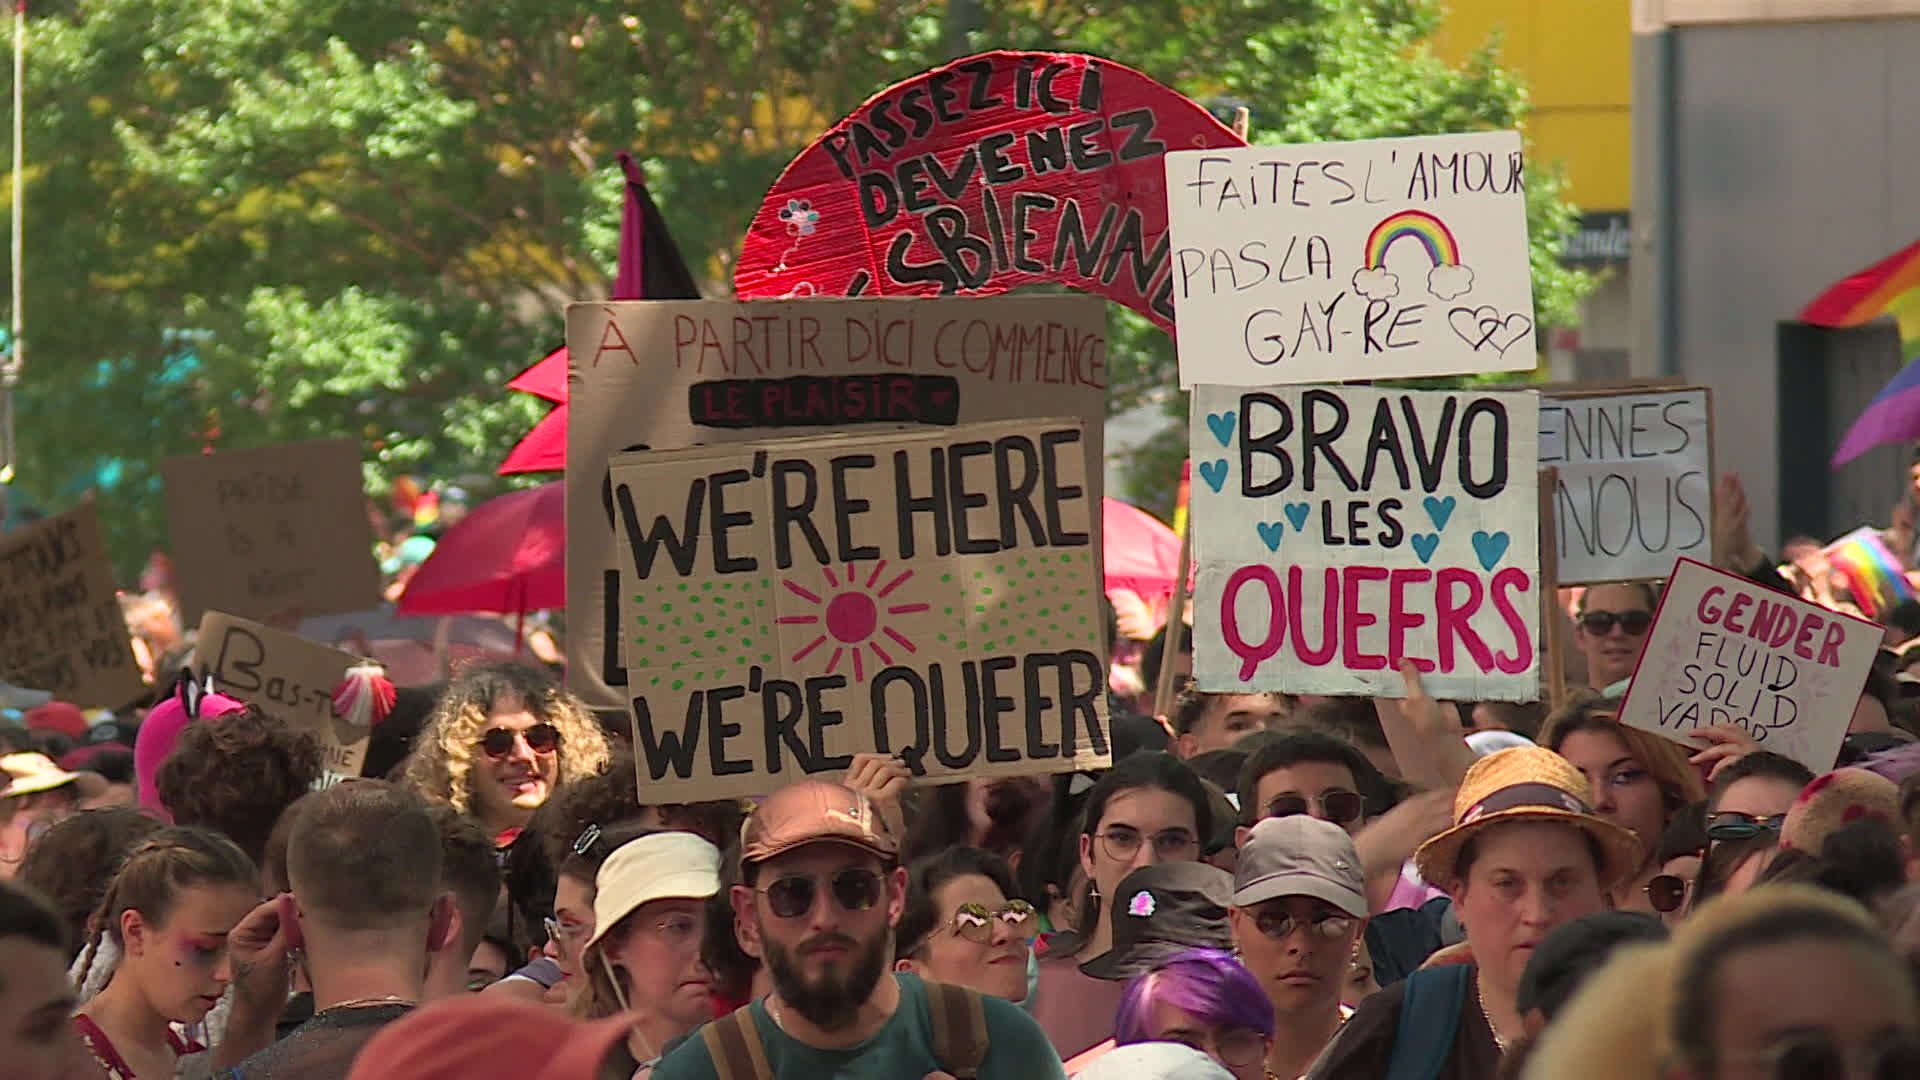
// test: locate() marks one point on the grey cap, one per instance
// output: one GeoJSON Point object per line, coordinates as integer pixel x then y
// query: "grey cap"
{"type": "Point", "coordinates": [1298, 855]}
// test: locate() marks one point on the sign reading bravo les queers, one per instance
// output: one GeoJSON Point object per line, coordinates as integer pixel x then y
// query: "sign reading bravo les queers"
{"type": "Point", "coordinates": [1361, 260]}
{"type": "Point", "coordinates": [1342, 529]}
{"type": "Point", "coordinates": [61, 629]}
{"type": "Point", "coordinates": [289, 678]}
{"type": "Point", "coordinates": [932, 593]}
{"type": "Point", "coordinates": [664, 375]}
{"type": "Point", "coordinates": [274, 529]}
{"type": "Point", "coordinates": [1636, 480]}
{"type": "Point", "coordinates": [1724, 650]}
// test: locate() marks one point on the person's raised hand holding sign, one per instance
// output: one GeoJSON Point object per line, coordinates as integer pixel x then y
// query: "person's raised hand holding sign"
{"type": "Point", "coordinates": [1733, 544]}
{"type": "Point", "coordinates": [1424, 734]}
{"type": "Point", "coordinates": [1726, 744]}
{"type": "Point", "coordinates": [884, 779]}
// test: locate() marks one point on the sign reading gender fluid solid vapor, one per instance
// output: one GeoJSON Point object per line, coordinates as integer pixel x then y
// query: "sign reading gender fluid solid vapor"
{"type": "Point", "coordinates": [932, 594]}
{"type": "Point", "coordinates": [1724, 650]}
{"type": "Point", "coordinates": [1325, 262]}
{"type": "Point", "coordinates": [1344, 529]}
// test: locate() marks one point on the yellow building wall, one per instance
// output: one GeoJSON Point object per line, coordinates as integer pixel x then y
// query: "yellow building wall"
{"type": "Point", "coordinates": [1574, 55]}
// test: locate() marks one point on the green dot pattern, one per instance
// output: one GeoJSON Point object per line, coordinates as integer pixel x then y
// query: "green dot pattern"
{"type": "Point", "coordinates": [670, 619]}
{"type": "Point", "coordinates": [1020, 603]}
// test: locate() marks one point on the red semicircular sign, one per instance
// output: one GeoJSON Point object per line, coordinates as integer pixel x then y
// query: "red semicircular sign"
{"type": "Point", "coordinates": [993, 172]}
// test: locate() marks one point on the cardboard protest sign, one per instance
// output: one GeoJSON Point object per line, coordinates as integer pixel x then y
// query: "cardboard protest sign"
{"type": "Point", "coordinates": [670, 374]}
{"type": "Point", "coordinates": [61, 629]}
{"type": "Point", "coordinates": [1362, 260]}
{"type": "Point", "coordinates": [933, 594]}
{"type": "Point", "coordinates": [995, 171]}
{"type": "Point", "coordinates": [289, 678]}
{"type": "Point", "coordinates": [1636, 480]}
{"type": "Point", "coordinates": [281, 528]}
{"type": "Point", "coordinates": [1339, 530]}
{"type": "Point", "coordinates": [1724, 650]}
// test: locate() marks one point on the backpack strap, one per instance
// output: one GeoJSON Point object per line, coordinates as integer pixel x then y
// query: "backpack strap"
{"type": "Point", "coordinates": [959, 1029]}
{"type": "Point", "coordinates": [1429, 1020]}
{"type": "Point", "coordinates": [733, 1042]}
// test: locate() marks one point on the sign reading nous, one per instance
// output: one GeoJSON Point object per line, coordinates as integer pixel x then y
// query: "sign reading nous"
{"type": "Point", "coordinates": [932, 594]}
{"type": "Point", "coordinates": [1327, 262]}
{"type": "Point", "coordinates": [1340, 530]}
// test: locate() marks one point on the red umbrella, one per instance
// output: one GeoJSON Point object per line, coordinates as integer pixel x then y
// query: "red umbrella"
{"type": "Point", "coordinates": [1140, 551]}
{"type": "Point", "coordinates": [544, 449]}
{"type": "Point", "coordinates": [508, 555]}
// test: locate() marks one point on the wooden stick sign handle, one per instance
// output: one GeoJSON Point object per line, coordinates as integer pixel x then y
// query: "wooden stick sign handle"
{"type": "Point", "coordinates": [1550, 611]}
{"type": "Point", "coordinates": [1176, 623]}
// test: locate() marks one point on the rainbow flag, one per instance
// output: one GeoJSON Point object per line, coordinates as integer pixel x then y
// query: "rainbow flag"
{"type": "Point", "coordinates": [1874, 576]}
{"type": "Point", "coordinates": [1888, 287]}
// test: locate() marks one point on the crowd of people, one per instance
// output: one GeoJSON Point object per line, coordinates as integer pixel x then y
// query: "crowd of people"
{"type": "Point", "coordinates": [1260, 887]}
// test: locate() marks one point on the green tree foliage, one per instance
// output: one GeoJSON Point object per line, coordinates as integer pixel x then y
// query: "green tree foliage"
{"type": "Point", "coordinates": [253, 221]}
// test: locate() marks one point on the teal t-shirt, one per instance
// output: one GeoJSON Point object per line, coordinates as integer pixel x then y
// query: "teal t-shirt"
{"type": "Point", "coordinates": [902, 1050]}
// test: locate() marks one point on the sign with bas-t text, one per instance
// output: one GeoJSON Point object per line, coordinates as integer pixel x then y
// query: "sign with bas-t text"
{"type": "Point", "coordinates": [288, 678]}
{"type": "Point", "coordinates": [666, 375]}
{"type": "Point", "coordinates": [61, 629]}
{"type": "Point", "coordinates": [1635, 487]}
{"type": "Point", "coordinates": [1341, 530]}
{"type": "Point", "coordinates": [932, 594]}
{"type": "Point", "coordinates": [279, 529]}
{"type": "Point", "coordinates": [1326, 262]}
{"type": "Point", "coordinates": [1724, 650]}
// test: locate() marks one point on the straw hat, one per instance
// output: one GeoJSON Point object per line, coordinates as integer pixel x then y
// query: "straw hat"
{"type": "Point", "coordinates": [30, 773]}
{"type": "Point", "coordinates": [1835, 799]}
{"type": "Point", "coordinates": [1526, 783]}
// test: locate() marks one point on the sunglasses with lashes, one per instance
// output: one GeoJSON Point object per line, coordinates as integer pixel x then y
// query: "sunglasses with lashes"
{"type": "Point", "coordinates": [854, 889]}
{"type": "Point", "coordinates": [1726, 825]}
{"type": "Point", "coordinates": [1338, 807]}
{"type": "Point", "coordinates": [1601, 623]}
{"type": "Point", "coordinates": [974, 921]}
{"type": "Point", "coordinates": [498, 742]}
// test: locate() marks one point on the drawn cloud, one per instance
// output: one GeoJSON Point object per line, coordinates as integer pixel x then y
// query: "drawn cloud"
{"type": "Point", "coordinates": [1447, 282]}
{"type": "Point", "coordinates": [1376, 284]}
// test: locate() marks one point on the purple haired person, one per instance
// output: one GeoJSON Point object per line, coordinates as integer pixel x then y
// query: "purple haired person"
{"type": "Point", "coordinates": [1204, 999]}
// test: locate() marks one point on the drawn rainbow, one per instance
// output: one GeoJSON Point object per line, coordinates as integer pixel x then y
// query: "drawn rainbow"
{"type": "Point", "coordinates": [1432, 233]}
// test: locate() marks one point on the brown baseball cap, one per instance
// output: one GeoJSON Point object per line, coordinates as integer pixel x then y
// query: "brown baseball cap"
{"type": "Point", "coordinates": [814, 811]}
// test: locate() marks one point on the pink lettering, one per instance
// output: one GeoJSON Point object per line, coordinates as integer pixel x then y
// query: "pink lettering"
{"type": "Point", "coordinates": [1252, 656]}
{"type": "Point", "coordinates": [1399, 619]}
{"type": "Point", "coordinates": [1511, 580]}
{"type": "Point", "coordinates": [1452, 620]}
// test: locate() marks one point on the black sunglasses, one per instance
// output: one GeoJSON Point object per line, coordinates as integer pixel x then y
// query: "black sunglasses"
{"type": "Point", "coordinates": [1338, 807]}
{"type": "Point", "coordinates": [1667, 892]}
{"type": "Point", "coordinates": [853, 889]}
{"type": "Point", "coordinates": [1601, 623]}
{"type": "Point", "coordinates": [541, 739]}
{"type": "Point", "coordinates": [1816, 1056]}
{"type": "Point", "coordinates": [1727, 825]}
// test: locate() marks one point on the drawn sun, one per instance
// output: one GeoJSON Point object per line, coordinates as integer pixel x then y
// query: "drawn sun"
{"type": "Point", "coordinates": [853, 618]}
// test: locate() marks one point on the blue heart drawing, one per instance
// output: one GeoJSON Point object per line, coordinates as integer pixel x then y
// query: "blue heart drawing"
{"type": "Point", "coordinates": [1297, 514]}
{"type": "Point", "coordinates": [1440, 511]}
{"type": "Point", "coordinates": [1215, 474]}
{"type": "Point", "coordinates": [1270, 533]}
{"type": "Point", "coordinates": [1491, 547]}
{"type": "Point", "coordinates": [1424, 545]}
{"type": "Point", "coordinates": [1221, 424]}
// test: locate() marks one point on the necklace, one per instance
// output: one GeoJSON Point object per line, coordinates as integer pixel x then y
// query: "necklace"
{"type": "Point", "coordinates": [370, 1002]}
{"type": "Point", "coordinates": [1499, 1040]}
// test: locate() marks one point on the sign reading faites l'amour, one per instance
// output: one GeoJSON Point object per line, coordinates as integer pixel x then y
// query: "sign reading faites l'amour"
{"type": "Point", "coordinates": [1388, 258]}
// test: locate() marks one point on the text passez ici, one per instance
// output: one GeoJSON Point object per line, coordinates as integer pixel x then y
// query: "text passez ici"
{"type": "Point", "coordinates": [967, 212]}
{"type": "Point", "coordinates": [950, 499]}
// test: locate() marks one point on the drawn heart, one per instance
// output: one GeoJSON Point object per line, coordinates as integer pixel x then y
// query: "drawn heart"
{"type": "Point", "coordinates": [939, 397]}
{"type": "Point", "coordinates": [1424, 545]}
{"type": "Point", "coordinates": [1440, 511]}
{"type": "Point", "coordinates": [1270, 533]}
{"type": "Point", "coordinates": [1485, 328]}
{"type": "Point", "coordinates": [1491, 547]}
{"type": "Point", "coordinates": [1215, 474]}
{"type": "Point", "coordinates": [1297, 514]}
{"type": "Point", "coordinates": [1221, 424]}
